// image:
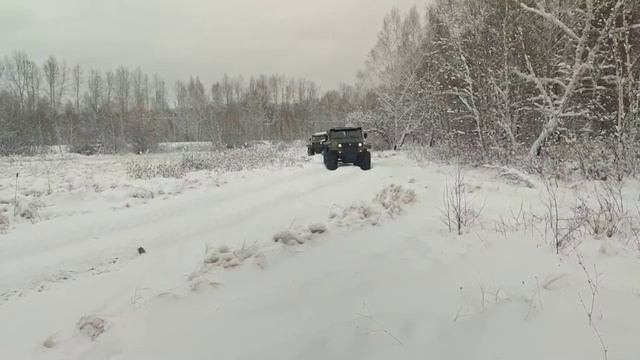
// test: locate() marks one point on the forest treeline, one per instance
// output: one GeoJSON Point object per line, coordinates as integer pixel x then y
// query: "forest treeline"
{"type": "Point", "coordinates": [483, 80]}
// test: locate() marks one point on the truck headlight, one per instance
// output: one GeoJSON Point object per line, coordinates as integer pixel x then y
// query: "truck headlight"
{"type": "Point", "coordinates": [339, 145]}
{"type": "Point", "coordinates": [360, 144]}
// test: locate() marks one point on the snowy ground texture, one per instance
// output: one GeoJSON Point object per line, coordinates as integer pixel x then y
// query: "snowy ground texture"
{"type": "Point", "coordinates": [282, 259]}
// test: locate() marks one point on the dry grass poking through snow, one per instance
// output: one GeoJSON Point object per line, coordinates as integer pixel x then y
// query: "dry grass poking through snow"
{"type": "Point", "coordinates": [459, 211]}
{"type": "Point", "coordinates": [49, 186]}
{"type": "Point", "coordinates": [4, 223]}
{"type": "Point", "coordinates": [229, 160]}
{"type": "Point", "coordinates": [390, 202]}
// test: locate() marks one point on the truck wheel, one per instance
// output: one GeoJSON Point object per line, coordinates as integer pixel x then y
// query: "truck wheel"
{"type": "Point", "coordinates": [310, 152]}
{"type": "Point", "coordinates": [331, 160]}
{"type": "Point", "coordinates": [365, 161]}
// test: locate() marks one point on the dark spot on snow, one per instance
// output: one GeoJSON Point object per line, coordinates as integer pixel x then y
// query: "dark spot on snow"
{"type": "Point", "coordinates": [141, 251]}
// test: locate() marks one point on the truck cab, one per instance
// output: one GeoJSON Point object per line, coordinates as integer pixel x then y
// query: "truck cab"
{"type": "Point", "coordinates": [346, 145]}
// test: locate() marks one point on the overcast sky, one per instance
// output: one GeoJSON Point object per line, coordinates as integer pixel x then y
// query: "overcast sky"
{"type": "Point", "coordinates": [322, 40]}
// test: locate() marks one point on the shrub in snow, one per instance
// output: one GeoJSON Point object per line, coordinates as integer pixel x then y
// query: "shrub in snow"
{"type": "Point", "coordinates": [390, 201]}
{"type": "Point", "coordinates": [29, 210]}
{"type": "Point", "coordinates": [393, 198]}
{"type": "Point", "coordinates": [231, 262]}
{"type": "Point", "coordinates": [244, 253]}
{"type": "Point", "coordinates": [212, 258]}
{"type": "Point", "coordinates": [357, 213]}
{"type": "Point", "coordinates": [608, 214]}
{"type": "Point", "coordinates": [92, 326]}
{"type": "Point", "coordinates": [318, 228]}
{"type": "Point", "coordinates": [458, 212]}
{"type": "Point", "coordinates": [223, 256]}
{"type": "Point", "coordinates": [141, 193]}
{"type": "Point", "coordinates": [287, 237]}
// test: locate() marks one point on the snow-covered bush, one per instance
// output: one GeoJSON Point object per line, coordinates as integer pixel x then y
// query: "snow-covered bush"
{"type": "Point", "coordinates": [562, 229]}
{"type": "Point", "coordinates": [224, 257]}
{"type": "Point", "coordinates": [300, 235]}
{"type": "Point", "coordinates": [317, 228]}
{"type": "Point", "coordinates": [393, 198]}
{"type": "Point", "coordinates": [389, 202]}
{"type": "Point", "coordinates": [92, 326]}
{"type": "Point", "coordinates": [287, 237]}
{"type": "Point", "coordinates": [356, 213]}
{"type": "Point", "coordinates": [29, 210]}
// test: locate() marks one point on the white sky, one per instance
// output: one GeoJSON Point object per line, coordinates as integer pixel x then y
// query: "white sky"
{"type": "Point", "coordinates": [323, 40]}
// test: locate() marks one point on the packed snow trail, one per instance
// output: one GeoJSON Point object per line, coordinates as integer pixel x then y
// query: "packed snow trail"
{"type": "Point", "coordinates": [404, 288]}
{"type": "Point", "coordinates": [201, 216]}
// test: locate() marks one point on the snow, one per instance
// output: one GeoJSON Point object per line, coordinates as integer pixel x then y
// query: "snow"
{"type": "Point", "coordinates": [366, 268]}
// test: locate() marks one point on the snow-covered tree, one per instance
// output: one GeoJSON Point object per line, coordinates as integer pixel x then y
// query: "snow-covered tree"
{"type": "Point", "coordinates": [391, 75]}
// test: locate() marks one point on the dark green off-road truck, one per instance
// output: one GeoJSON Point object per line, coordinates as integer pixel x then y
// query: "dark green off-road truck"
{"type": "Point", "coordinates": [346, 145]}
{"type": "Point", "coordinates": [316, 143]}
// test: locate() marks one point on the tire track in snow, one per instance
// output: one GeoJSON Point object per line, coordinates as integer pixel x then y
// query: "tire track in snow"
{"type": "Point", "coordinates": [74, 257]}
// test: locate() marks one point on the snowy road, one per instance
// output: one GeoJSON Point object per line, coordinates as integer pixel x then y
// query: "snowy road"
{"type": "Point", "coordinates": [404, 288]}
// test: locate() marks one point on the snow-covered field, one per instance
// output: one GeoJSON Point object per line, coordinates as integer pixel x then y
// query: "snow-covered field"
{"type": "Point", "coordinates": [363, 266]}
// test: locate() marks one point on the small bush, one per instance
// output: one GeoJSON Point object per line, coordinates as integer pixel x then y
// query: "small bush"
{"type": "Point", "coordinates": [357, 213]}
{"type": "Point", "coordinates": [394, 198]}
{"type": "Point", "coordinates": [607, 216]}
{"type": "Point", "coordinates": [141, 193]}
{"type": "Point", "coordinates": [4, 223]}
{"type": "Point", "coordinates": [459, 212]}
{"type": "Point", "coordinates": [317, 228]}
{"type": "Point", "coordinates": [288, 238]}
{"type": "Point", "coordinates": [29, 210]}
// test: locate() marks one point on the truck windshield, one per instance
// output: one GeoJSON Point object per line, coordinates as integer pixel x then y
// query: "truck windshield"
{"type": "Point", "coordinates": [346, 134]}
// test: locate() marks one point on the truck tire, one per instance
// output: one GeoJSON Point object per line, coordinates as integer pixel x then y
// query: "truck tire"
{"type": "Point", "coordinates": [331, 160]}
{"type": "Point", "coordinates": [365, 161]}
{"type": "Point", "coordinates": [310, 151]}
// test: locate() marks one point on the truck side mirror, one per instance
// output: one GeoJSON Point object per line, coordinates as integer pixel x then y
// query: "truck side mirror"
{"type": "Point", "coordinates": [365, 135]}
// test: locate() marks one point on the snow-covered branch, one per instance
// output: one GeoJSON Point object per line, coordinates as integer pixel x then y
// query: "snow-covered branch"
{"type": "Point", "coordinates": [550, 17]}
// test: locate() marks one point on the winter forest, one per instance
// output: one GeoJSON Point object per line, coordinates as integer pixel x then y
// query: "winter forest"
{"type": "Point", "coordinates": [556, 81]}
{"type": "Point", "coordinates": [165, 194]}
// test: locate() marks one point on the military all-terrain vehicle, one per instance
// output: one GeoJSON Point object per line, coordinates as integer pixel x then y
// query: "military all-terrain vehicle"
{"type": "Point", "coordinates": [346, 145]}
{"type": "Point", "coordinates": [316, 143]}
